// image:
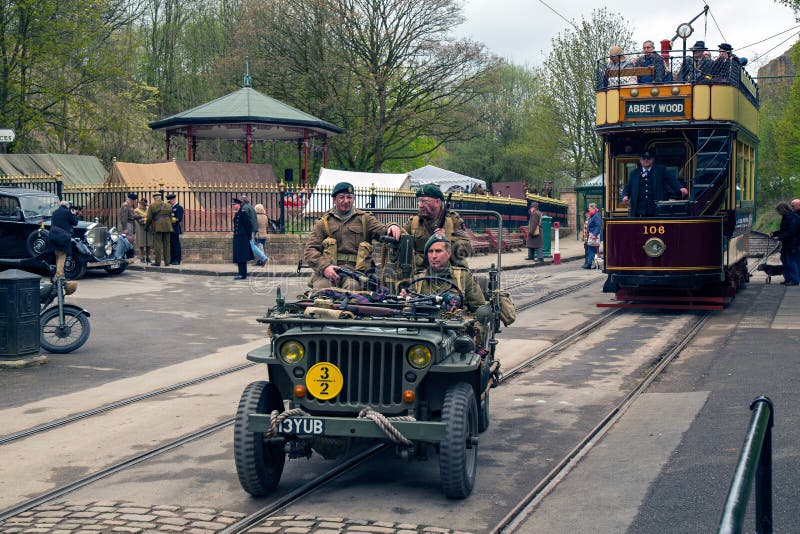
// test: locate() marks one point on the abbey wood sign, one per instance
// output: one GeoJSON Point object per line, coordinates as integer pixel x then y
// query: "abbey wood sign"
{"type": "Point", "coordinates": [655, 109]}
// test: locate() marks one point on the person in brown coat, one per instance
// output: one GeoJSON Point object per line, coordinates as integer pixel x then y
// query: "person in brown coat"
{"type": "Point", "coordinates": [343, 237]}
{"type": "Point", "coordinates": [144, 236]}
{"type": "Point", "coordinates": [534, 240]}
{"type": "Point", "coordinates": [158, 218]}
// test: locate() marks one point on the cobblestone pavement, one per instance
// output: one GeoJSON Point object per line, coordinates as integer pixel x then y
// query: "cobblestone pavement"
{"type": "Point", "coordinates": [114, 516]}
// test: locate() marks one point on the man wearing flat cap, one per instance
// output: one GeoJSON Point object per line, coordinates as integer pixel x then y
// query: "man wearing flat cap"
{"type": "Point", "coordinates": [648, 184]}
{"type": "Point", "coordinates": [426, 223]}
{"type": "Point", "coordinates": [698, 67]}
{"type": "Point", "coordinates": [443, 275]}
{"type": "Point", "coordinates": [176, 218]}
{"type": "Point", "coordinates": [343, 238]}
{"type": "Point", "coordinates": [126, 219]}
{"type": "Point", "coordinates": [158, 218]}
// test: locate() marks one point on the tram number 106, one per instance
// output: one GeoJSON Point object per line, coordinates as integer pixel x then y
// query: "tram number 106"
{"type": "Point", "coordinates": [653, 229]}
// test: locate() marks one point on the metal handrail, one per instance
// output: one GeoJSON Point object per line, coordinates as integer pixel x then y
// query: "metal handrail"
{"type": "Point", "coordinates": [755, 458]}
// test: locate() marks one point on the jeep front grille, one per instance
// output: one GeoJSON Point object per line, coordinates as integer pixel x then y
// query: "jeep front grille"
{"type": "Point", "coordinates": [372, 370]}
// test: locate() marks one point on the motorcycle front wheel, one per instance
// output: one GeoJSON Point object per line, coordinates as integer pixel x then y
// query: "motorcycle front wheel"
{"type": "Point", "coordinates": [62, 339]}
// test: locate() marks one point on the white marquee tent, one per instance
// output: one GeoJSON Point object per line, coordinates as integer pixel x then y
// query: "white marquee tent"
{"type": "Point", "coordinates": [383, 183]}
{"type": "Point", "coordinates": [448, 181]}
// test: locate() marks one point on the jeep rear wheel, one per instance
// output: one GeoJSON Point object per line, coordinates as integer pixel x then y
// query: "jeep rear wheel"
{"type": "Point", "coordinates": [458, 452]}
{"type": "Point", "coordinates": [259, 464]}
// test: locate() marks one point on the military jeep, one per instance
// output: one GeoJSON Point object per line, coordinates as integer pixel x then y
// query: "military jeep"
{"type": "Point", "coordinates": [350, 366]}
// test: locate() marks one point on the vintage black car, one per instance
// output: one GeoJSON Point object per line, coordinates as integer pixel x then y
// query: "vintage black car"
{"type": "Point", "coordinates": [24, 232]}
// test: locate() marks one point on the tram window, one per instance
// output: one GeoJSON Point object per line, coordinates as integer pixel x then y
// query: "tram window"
{"type": "Point", "coordinates": [624, 168]}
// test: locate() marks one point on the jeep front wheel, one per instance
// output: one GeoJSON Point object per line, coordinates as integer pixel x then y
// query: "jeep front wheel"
{"type": "Point", "coordinates": [458, 452]}
{"type": "Point", "coordinates": [259, 464]}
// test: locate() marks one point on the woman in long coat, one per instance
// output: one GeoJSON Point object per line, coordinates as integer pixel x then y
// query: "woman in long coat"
{"type": "Point", "coordinates": [534, 240]}
{"type": "Point", "coordinates": [242, 230]}
{"type": "Point", "coordinates": [144, 236]}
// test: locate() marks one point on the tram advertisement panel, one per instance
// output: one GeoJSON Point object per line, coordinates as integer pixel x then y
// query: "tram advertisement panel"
{"type": "Point", "coordinates": [664, 244]}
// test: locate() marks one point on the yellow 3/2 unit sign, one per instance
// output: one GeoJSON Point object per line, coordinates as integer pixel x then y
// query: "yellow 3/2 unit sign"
{"type": "Point", "coordinates": [324, 381]}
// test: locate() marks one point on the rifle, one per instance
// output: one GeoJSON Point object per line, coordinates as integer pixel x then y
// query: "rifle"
{"type": "Point", "coordinates": [445, 209]}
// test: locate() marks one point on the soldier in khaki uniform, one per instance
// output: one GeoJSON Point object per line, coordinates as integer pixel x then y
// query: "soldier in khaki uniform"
{"type": "Point", "coordinates": [343, 237]}
{"type": "Point", "coordinates": [423, 225]}
{"type": "Point", "coordinates": [438, 251]}
{"type": "Point", "coordinates": [158, 217]}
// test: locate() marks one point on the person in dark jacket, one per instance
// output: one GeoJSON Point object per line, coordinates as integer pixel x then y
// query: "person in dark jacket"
{"type": "Point", "coordinates": [787, 233]}
{"type": "Point", "coordinates": [649, 184]}
{"type": "Point", "coordinates": [176, 218]}
{"type": "Point", "coordinates": [534, 240]}
{"type": "Point", "coordinates": [242, 232]}
{"type": "Point", "coordinates": [61, 226]}
{"type": "Point", "coordinates": [650, 58]}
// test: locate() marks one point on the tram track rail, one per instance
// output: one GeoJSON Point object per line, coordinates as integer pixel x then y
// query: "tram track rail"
{"type": "Point", "coordinates": [528, 503]}
{"type": "Point", "coordinates": [56, 423]}
{"type": "Point", "coordinates": [44, 427]}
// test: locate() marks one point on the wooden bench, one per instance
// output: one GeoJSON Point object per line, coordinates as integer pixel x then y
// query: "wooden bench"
{"type": "Point", "coordinates": [479, 243]}
{"type": "Point", "coordinates": [510, 241]}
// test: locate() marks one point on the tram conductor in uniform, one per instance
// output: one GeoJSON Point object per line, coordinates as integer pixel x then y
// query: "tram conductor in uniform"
{"type": "Point", "coordinates": [649, 184]}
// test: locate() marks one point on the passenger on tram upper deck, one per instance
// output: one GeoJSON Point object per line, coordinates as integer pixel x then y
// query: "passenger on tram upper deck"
{"type": "Point", "coordinates": [650, 58]}
{"type": "Point", "coordinates": [726, 67]}
{"type": "Point", "coordinates": [698, 67]}
{"type": "Point", "coordinates": [617, 62]}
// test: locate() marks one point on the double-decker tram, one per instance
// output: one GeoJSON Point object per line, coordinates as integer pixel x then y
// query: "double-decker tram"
{"type": "Point", "coordinates": [689, 248]}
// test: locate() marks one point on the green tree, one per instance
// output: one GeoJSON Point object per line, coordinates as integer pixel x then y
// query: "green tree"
{"type": "Point", "coordinates": [387, 71]}
{"type": "Point", "coordinates": [52, 54]}
{"type": "Point", "coordinates": [570, 74]}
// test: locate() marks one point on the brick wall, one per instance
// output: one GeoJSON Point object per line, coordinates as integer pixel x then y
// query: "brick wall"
{"type": "Point", "coordinates": [217, 248]}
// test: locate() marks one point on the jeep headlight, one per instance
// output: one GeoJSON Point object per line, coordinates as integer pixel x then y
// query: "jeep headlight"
{"type": "Point", "coordinates": [292, 351]}
{"type": "Point", "coordinates": [89, 236]}
{"type": "Point", "coordinates": [419, 356]}
{"type": "Point", "coordinates": [114, 233]}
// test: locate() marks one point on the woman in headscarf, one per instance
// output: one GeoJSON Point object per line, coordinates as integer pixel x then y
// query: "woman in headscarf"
{"type": "Point", "coordinates": [144, 236]}
{"type": "Point", "coordinates": [263, 226]}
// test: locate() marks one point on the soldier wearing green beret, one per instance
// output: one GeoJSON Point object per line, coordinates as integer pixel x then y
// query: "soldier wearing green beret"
{"type": "Point", "coordinates": [438, 252]}
{"type": "Point", "coordinates": [425, 224]}
{"type": "Point", "coordinates": [343, 237]}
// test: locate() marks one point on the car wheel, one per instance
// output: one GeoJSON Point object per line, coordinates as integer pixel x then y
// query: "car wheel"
{"type": "Point", "coordinates": [458, 452]}
{"type": "Point", "coordinates": [259, 464]}
{"type": "Point", "coordinates": [38, 243]}
{"type": "Point", "coordinates": [74, 267]}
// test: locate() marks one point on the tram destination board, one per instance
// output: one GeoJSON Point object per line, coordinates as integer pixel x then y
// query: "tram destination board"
{"type": "Point", "coordinates": [674, 108]}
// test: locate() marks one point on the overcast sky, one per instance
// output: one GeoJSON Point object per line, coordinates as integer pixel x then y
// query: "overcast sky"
{"type": "Point", "coordinates": [521, 30]}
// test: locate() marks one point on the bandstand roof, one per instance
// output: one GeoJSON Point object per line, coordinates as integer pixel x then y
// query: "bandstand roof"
{"type": "Point", "coordinates": [227, 116]}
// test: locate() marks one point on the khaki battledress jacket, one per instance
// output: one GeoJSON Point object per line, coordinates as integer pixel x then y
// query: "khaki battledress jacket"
{"type": "Point", "coordinates": [158, 215]}
{"type": "Point", "coordinates": [464, 280]}
{"type": "Point", "coordinates": [455, 230]}
{"type": "Point", "coordinates": [348, 231]}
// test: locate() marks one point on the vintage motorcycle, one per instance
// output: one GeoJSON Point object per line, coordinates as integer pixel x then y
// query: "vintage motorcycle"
{"type": "Point", "coordinates": [63, 327]}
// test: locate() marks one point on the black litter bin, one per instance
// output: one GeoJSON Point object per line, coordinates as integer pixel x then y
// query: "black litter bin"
{"type": "Point", "coordinates": [19, 314]}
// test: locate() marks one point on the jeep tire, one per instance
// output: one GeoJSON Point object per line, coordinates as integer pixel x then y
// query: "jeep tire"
{"type": "Point", "coordinates": [458, 452]}
{"type": "Point", "coordinates": [259, 464]}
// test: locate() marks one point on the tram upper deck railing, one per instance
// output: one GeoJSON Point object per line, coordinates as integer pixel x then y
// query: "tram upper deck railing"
{"type": "Point", "coordinates": [632, 70]}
